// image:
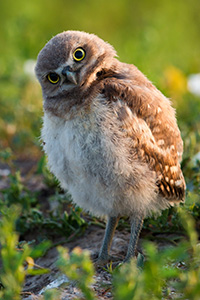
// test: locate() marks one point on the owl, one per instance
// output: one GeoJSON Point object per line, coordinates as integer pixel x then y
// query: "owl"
{"type": "Point", "coordinates": [110, 135]}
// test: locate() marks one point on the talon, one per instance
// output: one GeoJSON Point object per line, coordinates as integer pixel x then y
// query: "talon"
{"type": "Point", "coordinates": [106, 262]}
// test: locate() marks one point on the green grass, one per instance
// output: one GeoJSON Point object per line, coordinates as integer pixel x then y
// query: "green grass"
{"type": "Point", "coordinates": [17, 262]}
{"type": "Point", "coordinates": [175, 268]}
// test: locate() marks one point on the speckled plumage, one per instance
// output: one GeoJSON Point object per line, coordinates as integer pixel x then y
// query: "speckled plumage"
{"type": "Point", "coordinates": [110, 136]}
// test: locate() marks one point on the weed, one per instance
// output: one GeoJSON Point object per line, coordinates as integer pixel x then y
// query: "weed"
{"type": "Point", "coordinates": [51, 294]}
{"type": "Point", "coordinates": [16, 263]}
{"type": "Point", "coordinates": [78, 267]}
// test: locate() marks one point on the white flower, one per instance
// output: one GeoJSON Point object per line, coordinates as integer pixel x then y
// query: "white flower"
{"type": "Point", "coordinates": [29, 67]}
{"type": "Point", "coordinates": [194, 84]}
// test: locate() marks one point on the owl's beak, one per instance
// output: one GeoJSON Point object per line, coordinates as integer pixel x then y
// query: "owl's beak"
{"type": "Point", "coordinates": [70, 74]}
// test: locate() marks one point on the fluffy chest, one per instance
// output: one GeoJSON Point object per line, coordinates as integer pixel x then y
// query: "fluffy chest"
{"type": "Point", "coordinates": [70, 146]}
{"type": "Point", "coordinates": [88, 148]}
{"type": "Point", "coordinates": [82, 156]}
{"type": "Point", "coordinates": [90, 156]}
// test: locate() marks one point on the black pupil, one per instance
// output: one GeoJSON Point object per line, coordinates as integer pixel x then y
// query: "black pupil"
{"type": "Point", "coordinates": [53, 76]}
{"type": "Point", "coordinates": [79, 54]}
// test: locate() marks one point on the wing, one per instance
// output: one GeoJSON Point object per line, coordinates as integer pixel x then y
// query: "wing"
{"type": "Point", "coordinates": [147, 117]}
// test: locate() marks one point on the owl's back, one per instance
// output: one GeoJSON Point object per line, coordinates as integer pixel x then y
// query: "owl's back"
{"type": "Point", "coordinates": [148, 118]}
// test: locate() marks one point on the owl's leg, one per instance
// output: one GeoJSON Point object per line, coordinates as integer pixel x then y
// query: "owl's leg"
{"type": "Point", "coordinates": [111, 225]}
{"type": "Point", "coordinates": [136, 227]}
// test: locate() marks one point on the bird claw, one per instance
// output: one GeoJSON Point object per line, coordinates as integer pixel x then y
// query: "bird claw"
{"type": "Point", "coordinates": [108, 262]}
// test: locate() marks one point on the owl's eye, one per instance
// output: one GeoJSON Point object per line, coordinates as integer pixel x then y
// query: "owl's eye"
{"type": "Point", "coordinates": [78, 54]}
{"type": "Point", "coordinates": [53, 77]}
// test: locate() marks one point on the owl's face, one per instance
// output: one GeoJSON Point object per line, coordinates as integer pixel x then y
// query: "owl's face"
{"type": "Point", "coordinates": [71, 60]}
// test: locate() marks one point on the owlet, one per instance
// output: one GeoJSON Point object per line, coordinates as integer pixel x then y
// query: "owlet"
{"type": "Point", "coordinates": [110, 135]}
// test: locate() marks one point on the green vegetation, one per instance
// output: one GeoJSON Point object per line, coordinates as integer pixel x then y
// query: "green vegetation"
{"type": "Point", "coordinates": [13, 269]}
{"type": "Point", "coordinates": [162, 39]}
{"type": "Point", "coordinates": [172, 269]}
{"type": "Point", "coordinates": [79, 267]}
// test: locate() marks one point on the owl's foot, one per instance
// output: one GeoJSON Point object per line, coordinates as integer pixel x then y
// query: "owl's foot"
{"type": "Point", "coordinates": [116, 262]}
{"type": "Point", "coordinates": [107, 262]}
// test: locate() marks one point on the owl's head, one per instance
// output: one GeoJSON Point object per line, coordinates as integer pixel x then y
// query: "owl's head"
{"type": "Point", "coordinates": [70, 60]}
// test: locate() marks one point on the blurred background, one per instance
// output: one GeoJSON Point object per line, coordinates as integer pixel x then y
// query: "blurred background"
{"type": "Point", "coordinates": [162, 38]}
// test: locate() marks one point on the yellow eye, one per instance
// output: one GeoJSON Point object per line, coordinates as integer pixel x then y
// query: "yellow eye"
{"type": "Point", "coordinates": [53, 78]}
{"type": "Point", "coordinates": [78, 54]}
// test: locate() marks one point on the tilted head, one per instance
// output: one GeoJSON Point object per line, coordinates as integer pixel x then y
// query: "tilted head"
{"type": "Point", "coordinates": [70, 60]}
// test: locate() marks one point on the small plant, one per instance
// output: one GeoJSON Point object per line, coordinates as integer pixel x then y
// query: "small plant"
{"type": "Point", "coordinates": [16, 262]}
{"type": "Point", "coordinates": [78, 267]}
{"type": "Point", "coordinates": [12, 271]}
{"type": "Point", "coordinates": [49, 179]}
{"type": "Point", "coordinates": [16, 193]}
{"type": "Point", "coordinates": [52, 294]}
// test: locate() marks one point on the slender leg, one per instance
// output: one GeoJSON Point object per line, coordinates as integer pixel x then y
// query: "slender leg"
{"type": "Point", "coordinates": [107, 241]}
{"type": "Point", "coordinates": [136, 226]}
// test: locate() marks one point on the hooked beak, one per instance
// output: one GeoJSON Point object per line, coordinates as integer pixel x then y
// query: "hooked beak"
{"type": "Point", "coordinates": [70, 74]}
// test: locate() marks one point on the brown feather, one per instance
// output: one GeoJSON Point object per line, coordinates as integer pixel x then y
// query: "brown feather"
{"type": "Point", "coordinates": [158, 139]}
